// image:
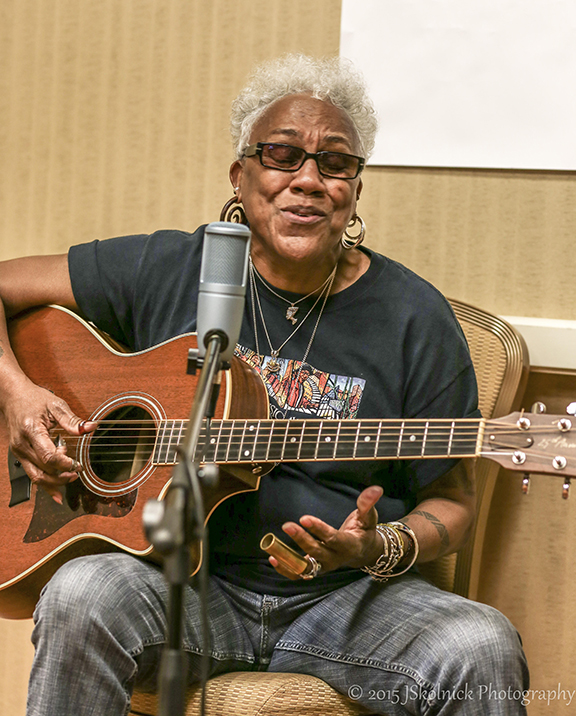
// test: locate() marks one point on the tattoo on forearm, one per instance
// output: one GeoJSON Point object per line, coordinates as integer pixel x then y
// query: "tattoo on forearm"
{"type": "Point", "coordinates": [440, 528]}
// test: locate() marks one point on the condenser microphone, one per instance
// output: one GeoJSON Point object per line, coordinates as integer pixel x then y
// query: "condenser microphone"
{"type": "Point", "coordinates": [222, 292]}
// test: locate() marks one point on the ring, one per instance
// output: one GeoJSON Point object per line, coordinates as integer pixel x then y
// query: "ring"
{"type": "Point", "coordinates": [315, 567]}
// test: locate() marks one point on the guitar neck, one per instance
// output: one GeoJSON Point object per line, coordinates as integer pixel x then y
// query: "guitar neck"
{"type": "Point", "coordinates": [256, 441]}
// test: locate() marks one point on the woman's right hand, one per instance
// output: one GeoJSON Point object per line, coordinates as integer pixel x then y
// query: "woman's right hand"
{"type": "Point", "coordinates": [32, 414]}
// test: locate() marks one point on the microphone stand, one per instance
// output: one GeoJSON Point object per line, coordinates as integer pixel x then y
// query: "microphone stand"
{"type": "Point", "coordinates": [173, 524]}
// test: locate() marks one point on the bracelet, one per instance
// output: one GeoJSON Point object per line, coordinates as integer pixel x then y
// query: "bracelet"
{"type": "Point", "coordinates": [393, 551]}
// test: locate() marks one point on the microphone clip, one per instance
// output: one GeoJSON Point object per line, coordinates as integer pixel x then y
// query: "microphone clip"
{"type": "Point", "coordinates": [196, 357]}
{"type": "Point", "coordinates": [195, 362]}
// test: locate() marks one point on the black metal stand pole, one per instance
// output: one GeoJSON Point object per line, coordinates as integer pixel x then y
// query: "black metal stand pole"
{"type": "Point", "coordinates": [172, 527]}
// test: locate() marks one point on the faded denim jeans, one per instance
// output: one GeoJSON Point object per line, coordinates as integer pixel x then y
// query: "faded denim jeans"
{"type": "Point", "coordinates": [404, 647]}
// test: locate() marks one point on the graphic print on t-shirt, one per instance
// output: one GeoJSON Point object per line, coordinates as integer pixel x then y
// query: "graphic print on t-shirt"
{"type": "Point", "coordinates": [297, 388]}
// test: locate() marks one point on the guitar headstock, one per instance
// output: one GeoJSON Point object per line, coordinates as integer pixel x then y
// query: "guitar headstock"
{"type": "Point", "coordinates": [533, 443]}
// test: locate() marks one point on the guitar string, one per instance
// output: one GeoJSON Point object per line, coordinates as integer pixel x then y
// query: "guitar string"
{"type": "Point", "coordinates": [237, 440]}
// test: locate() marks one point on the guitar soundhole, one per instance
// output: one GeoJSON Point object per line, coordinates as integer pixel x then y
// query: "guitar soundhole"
{"type": "Point", "coordinates": [123, 443]}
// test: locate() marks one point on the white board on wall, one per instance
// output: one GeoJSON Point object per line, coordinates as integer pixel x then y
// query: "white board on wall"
{"type": "Point", "coordinates": [468, 83]}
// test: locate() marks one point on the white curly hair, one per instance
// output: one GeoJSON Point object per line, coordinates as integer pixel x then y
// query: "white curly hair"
{"type": "Point", "coordinates": [332, 79]}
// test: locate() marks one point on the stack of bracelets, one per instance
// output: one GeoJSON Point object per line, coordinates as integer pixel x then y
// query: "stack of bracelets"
{"type": "Point", "coordinates": [394, 551]}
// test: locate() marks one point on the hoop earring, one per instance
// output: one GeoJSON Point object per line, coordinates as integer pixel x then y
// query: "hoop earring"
{"type": "Point", "coordinates": [234, 211]}
{"type": "Point", "coordinates": [351, 242]}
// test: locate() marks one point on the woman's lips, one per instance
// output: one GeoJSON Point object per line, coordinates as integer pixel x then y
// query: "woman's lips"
{"type": "Point", "coordinates": [303, 214]}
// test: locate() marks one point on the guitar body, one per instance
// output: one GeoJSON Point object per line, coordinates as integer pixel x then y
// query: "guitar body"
{"type": "Point", "coordinates": [102, 511]}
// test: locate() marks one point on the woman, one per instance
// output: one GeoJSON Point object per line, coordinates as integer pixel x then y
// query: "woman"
{"type": "Point", "coordinates": [331, 326]}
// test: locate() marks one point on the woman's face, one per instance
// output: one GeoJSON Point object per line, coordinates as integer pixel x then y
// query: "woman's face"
{"type": "Point", "coordinates": [301, 215]}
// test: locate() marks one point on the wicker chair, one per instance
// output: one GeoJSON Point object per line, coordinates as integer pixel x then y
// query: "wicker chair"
{"type": "Point", "coordinates": [500, 358]}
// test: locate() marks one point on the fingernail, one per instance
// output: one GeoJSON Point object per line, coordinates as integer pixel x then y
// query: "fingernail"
{"type": "Point", "coordinates": [57, 497]}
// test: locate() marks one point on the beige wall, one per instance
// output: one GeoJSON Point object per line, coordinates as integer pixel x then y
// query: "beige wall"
{"type": "Point", "coordinates": [113, 119]}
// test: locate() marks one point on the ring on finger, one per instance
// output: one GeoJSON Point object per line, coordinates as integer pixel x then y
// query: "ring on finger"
{"type": "Point", "coordinates": [315, 568]}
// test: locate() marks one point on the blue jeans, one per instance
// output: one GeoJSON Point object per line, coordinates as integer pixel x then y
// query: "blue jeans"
{"type": "Point", "coordinates": [405, 647]}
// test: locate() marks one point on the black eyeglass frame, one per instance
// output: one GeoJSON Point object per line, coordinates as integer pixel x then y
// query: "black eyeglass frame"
{"type": "Point", "coordinates": [256, 150]}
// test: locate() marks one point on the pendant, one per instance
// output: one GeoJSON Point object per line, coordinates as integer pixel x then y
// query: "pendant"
{"type": "Point", "coordinates": [290, 313]}
{"type": "Point", "coordinates": [273, 366]}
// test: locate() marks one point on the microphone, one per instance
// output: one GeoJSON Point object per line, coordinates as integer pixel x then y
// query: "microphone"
{"type": "Point", "coordinates": [222, 293]}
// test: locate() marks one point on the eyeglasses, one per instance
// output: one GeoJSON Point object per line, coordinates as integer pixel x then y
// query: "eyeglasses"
{"type": "Point", "coordinates": [286, 158]}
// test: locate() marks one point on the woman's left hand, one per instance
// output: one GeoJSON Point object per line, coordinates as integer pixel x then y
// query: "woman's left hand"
{"type": "Point", "coordinates": [355, 544]}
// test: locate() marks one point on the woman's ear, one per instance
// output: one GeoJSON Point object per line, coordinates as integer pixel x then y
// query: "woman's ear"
{"type": "Point", "coordinates": [236, 171]}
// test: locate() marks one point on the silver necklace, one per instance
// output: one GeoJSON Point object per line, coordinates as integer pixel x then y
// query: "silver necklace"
{"type": "Point", "coordinates": [293, 307]}
{"type": "Point", "coordinates": [273, 364]}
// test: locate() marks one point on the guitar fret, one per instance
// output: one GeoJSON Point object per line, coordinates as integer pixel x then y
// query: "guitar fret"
{"type": "Point", "coordinates": [424, 438]}
{"type": "Point", "coordinates": [169, 452]}
{"type": "Point", "coordinates": [464, 442]}
{"type": "Point", "coordinates": [301, 439]}
{"type": "Point", "coordinates": [411, 445]}
{"type": "Point", "coordinates": [158, 444]}
{"type": "Point", "coordinates": [318, 441]}
{"type": "Point", "coordinates": [261, 447]}
{"type": "Point", "coordinates": [346, 443]}
{"type": "Point", "coordinates": [285, 439]}
{"type": "Point", "coordinates": [310, 440]}
{"type": "Point", "coordinates": [247, 442]}
{"type": "Point", "coordinates": [336, 440]}
{"type": "Point", "coordinates": [269, 440]}
{"type": "Point", "coordinates": [326, 443]}
{"type": "Point", "coordinates": [377, 441]}
{"type": "Point", "coordinates": [229, 431]}
{"type": "Point", "coordinates": [277, 440]}
{"type": "Point", "coordinates": [366, 440]}
{"type": "Point", "coordinates": [292, 440]}
{"type": "Point", "coordinates": [451, 438]}
{"type": "Point", "coordinates": [238, 431]}
{"type": "Point", "coordinates": [400, 439]}
{"type": "Point", "coordinates": [356, 440]}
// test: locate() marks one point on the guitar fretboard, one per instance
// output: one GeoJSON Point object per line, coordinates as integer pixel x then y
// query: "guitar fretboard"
{"type": "Point", "coordinates": [257, 441]}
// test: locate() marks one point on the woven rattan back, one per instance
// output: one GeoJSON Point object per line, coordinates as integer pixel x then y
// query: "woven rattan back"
{"type": "Point", "coordinates": [500, 358]}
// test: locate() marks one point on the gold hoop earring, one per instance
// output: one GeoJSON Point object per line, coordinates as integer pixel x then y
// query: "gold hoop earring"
{"type": "Point", "coordinates": [234, 211]}
{"type": "Point", "coordinates": [351, 242]}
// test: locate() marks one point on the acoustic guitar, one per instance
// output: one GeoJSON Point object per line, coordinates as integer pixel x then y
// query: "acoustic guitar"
{"type": "Point", "coordinates": [141, 402]}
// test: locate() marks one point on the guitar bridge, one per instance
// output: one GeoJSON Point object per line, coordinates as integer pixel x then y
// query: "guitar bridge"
{"type": "Point", "coordinates": [19, 481]}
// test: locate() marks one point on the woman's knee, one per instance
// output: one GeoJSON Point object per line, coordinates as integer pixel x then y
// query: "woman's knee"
{"type": "Point", "coordinates": [482, 644]}
{"type": "Point", "coordinates": [88, 592]}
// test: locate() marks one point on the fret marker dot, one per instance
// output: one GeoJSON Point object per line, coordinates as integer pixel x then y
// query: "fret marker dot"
{"type": "Point", "coordinates": [212, 441]}
{"type": "Point", "coordinates": [292, 440]}
{"type": "Point", "coordinates": [327, 439]}
{"type": "Point", "coordinates": [412, 438]}
{"type": "Point", "coordinates": [367, 439]}
{"type": "Point", "coordinates": [246, 452]}
{"type": "Point", "coordinates": [251, 427]}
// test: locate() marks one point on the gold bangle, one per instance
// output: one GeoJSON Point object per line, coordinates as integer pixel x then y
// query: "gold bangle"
{"type": "Point", "coordinates": [402, 527]}
{"type": "Point", "coordinates": [393, 551]}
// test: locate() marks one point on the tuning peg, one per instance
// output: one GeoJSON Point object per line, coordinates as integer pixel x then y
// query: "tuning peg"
{"type": "Point", "coordinates": [538, 408]}
{"type": "Point", "coordinates": [571, 409]}
{"type": "Point", "coordinates": [566, 488]}
{"type": "Point", "coordinates": [526, 483]}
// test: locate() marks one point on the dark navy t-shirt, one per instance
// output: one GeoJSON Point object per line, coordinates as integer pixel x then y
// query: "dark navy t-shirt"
{"type": "Point", "coordinates": [388, 346]}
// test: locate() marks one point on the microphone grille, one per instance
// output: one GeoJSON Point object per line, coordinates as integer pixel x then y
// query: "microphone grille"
{"type": "Point", "coordinates": [224, 253]}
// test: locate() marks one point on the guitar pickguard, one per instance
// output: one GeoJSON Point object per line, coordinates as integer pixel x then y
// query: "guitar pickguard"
{"type": "Point", "coordinates": [48, 516]}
